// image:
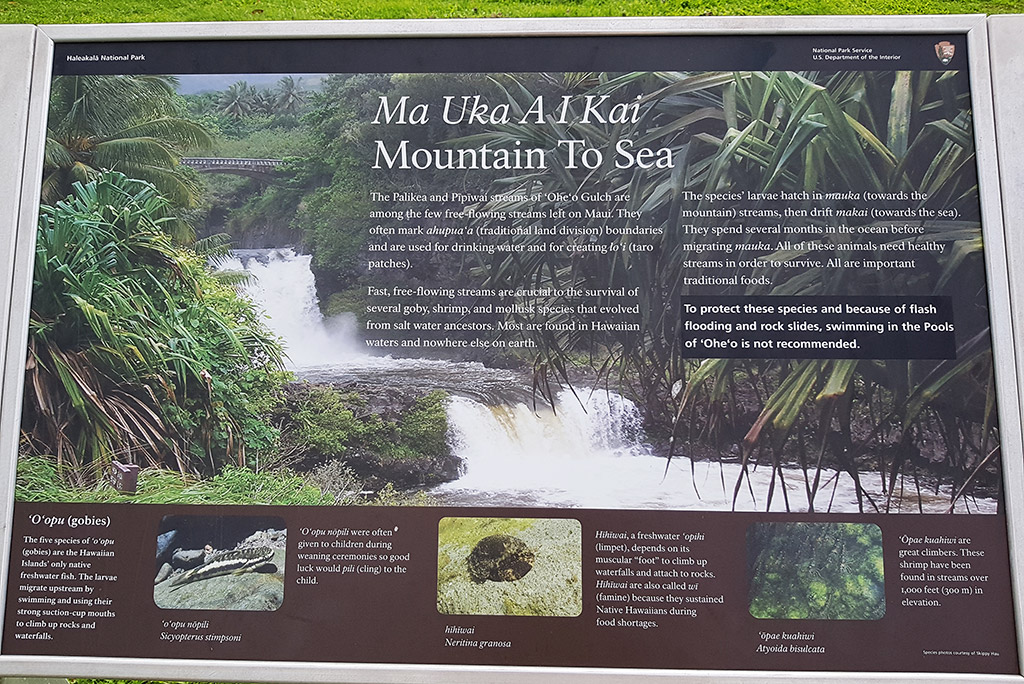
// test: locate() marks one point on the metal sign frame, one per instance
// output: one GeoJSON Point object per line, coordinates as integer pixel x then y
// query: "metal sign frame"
{"type": "Point", "coordinates": [27, 55]}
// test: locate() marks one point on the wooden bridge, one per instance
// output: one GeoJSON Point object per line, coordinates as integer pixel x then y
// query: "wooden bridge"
{"type": "Point", "coordinates": [260, 169]}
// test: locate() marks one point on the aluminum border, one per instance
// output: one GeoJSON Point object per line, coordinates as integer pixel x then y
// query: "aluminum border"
{"type": "Point", "coordinates": [1000, 284]}
{"type": "Point", "coordinates": [1007, 88]}
{"type": "Point", "coordinates": [444, 28]}
{"type": "Point", "coordinates": [26, 55]}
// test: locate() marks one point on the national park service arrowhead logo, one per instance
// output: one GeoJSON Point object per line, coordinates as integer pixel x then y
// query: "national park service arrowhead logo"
{"type": "Point", "coordinates": [945, 50]}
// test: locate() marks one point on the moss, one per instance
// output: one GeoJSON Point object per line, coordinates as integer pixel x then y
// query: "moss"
{"type": "Point", "coordinates": [327, 423]}
{"type": "Point", "coordinates": [553, 587]}
{"type": "Point", "coordinates": [462, 534]}
{"type": "Point", "coordinates": [344, 302]}
{"type": "Point", "coordinates": [423, 431]}
{"type": "Point", "coordinates": [468, 531]}
{"type": "Point", "coordinates": [382, 436]}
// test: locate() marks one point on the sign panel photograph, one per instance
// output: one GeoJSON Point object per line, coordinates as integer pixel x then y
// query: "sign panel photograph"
{"type": "Point", "coordinates": [380, 351]}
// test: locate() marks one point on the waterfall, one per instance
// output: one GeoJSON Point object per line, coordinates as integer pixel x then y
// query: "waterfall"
{"type": "Point", "coordinates": [566, 455]}
{"type": "Point", "coordinates": [282, 285]}
{"type": "Point", "coordinates": [517, 435]}
{"type": "Point", "coordinates": [588, 451]}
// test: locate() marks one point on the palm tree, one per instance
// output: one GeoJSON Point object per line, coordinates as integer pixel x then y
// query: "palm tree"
{"type": "Point", "coordinates": [237, 100]}
{"type": "Point", "coordinates": [123, 123]}
{"type": "Point", "coordinates": [263, 102]}
{"type": "Point", "coordinates": [290, 96]}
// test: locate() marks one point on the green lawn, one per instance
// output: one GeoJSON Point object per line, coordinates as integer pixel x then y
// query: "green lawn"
{"type": "Point", "coordinates": [106, 11]}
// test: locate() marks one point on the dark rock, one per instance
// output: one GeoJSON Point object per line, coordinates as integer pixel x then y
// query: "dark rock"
{"type": "Point", "coordinates": [375, 470]}
{"type": "Point", "coordinates": [183, 559]}
{"type": "Point", "coordinates": [500, 558]}
{"type": "Point", "coordinates": [163, 543]}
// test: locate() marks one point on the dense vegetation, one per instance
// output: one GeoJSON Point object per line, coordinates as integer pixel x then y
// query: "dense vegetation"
{"type": "Point", "coordinates": [39, 480]}
{"type": "Point", "coordinates": [136, 351]}
{"type": "Point", "coordinates": [128, 123]}
{"type": "Point", "coordinates": [139, 352]}
{"type": "Point", "coordinates": [402, 441]}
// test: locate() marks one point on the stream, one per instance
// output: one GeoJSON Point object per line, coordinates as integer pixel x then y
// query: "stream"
{"type": "Point", "coordinates": [589, 451]}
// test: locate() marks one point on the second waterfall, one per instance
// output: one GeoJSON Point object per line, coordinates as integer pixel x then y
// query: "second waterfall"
{"type": "Point", "coordinates": [588, 450]}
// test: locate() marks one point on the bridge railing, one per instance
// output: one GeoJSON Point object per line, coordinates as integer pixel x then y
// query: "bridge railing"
{"type": "Point", "coordinates": [235, 163]}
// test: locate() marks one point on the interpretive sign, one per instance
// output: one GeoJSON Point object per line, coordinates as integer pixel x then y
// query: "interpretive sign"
{"type": "Point", "coordinates": [475, 351]}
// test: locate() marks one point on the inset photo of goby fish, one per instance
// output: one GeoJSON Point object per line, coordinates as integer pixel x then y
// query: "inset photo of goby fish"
{"type": "Point", "coordinates": [220, 563]}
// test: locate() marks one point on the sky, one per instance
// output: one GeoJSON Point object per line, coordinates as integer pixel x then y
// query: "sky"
{"type": "Point", "coordinates": [192, 84]}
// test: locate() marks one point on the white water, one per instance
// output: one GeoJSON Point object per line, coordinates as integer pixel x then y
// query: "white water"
{"type": "Point", "coordinates": [591, 454]}
{"type": "Point", "coordinates": [282, 284]}
{"type": "Point", "coordinates": [590, 451]}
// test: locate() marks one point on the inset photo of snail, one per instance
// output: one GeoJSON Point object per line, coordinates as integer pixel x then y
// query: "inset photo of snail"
{"type": "Point", "coordinates": [509, 566]}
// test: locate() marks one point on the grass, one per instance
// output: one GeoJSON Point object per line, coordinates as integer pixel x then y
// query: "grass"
{"type": "Point", "coordinates": [119, 11]}
{"type": "Point", "coordinates": [38, 480]}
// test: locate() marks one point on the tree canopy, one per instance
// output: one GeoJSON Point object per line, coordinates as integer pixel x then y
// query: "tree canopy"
{"type": "Point", "coordinates": [128, 124]}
